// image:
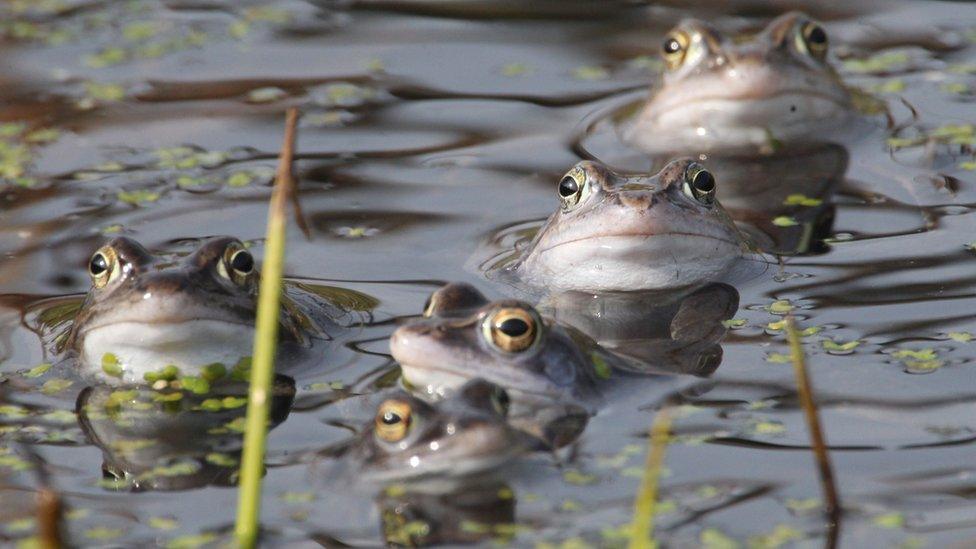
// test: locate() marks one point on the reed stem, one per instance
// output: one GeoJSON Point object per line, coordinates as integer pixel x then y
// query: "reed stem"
{"type": "Point", "coordinates": [805, 390]}
{"type": "Point", "coordinates": [265, 342]}
{"type": "Point", "coordinates": [642, 526]}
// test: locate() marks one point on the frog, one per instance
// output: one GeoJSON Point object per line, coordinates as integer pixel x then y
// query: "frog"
{"type": "Point", "coordinates": [412, 440]}
{"type": "Point", "coordinates": [615, 232]}
{"type": "Point", "coordinates": [723, 95]}
{"type": "Point", "coordinates": [146, 312]}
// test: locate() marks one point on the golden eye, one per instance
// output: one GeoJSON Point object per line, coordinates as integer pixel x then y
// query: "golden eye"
{"type": "Point", "coordinates": [812, 39]}
{"type": "Point", "coordinates": [700, 184]}
{"type": "Point", "coordinates": [511, 329]}
{"type": "Point", "coordinates": [238, 263]}
{"type": "Point", "coordinates": [393, 419]}
{"type": "Point", "coordinates": [103, 266]}
{"type": "Point", "coordinates": [675, 48]}
{"type": "Point", "coordinates": [572, 189]}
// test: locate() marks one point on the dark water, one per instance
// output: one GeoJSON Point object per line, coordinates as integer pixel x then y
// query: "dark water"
{"type": "Point", "coordinates": [428, 128]}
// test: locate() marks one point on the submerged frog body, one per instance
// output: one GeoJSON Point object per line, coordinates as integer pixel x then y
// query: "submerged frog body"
{"type": "Point", "coordinates": [625, 233]}
{"type": "Point", "coordinates": [461, 436]}
{"type": "Point", "coordinates": [718, 94]}
{"type": "Point", "coordinates": [657, 332]}
{"type": "Point", "coordinates": [144, 312]}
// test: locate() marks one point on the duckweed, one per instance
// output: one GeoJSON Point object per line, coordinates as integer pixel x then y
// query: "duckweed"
{"type": "Point", "coordinates": [801, 200]}
{"type": "Point", "coordinates": [778, 358]}
{"type": "Point", "coordinates": [713, 538]}
{"type": "Point", "coordinates": [103, 533]}
{"type": "Point", "coordinates": [516, 69]}
{"type": "Point", "coordinates": [55, 386]}
{"type": "Point", "coordinates": [163, 523]}
{"type": "Point", "coordinates": [579, 478]}
{"type": "Point", "coordinates": [20, 525]}
{"type": "Point", "coordinates": [591, 72]}
{"type": "Point", "coordinates": [111, 365]}
{"type": "Point", "coordinates": [266, 95]}
{"type": "Point", "coordinates": [221, 460]}
{"type": "Point", "coordinates": [191, 541]}
{"type": "Point", "coordinates": [38, 371]}
{"type": "Point", "coordinates": [781, 535]}
{"type": "Point", "coordinates": [839, 347]}
{"type": "Point", "coordinates": [780, 307]}
{"type": "Point", "coordinates": [889, 520]}
{"type": "Point", "coordinates": [297, 497]}
{"type": "Point", "coordinates": [878, 63]}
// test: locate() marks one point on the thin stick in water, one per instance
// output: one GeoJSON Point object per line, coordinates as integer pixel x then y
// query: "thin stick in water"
{"type": "Point", "coordinates": [805, 390]}
{"type": "Point", "coordinates": [642, 526]}
{"type": "Point", "coordinates": [265, 341]}
{"type": "Point", "coordinates": [49, 510]}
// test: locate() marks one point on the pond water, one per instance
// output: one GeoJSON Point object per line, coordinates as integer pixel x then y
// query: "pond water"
{"type": "Point", "coordinates": [431, 130]}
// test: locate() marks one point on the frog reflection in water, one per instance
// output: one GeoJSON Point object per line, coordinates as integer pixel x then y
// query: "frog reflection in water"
{"type": "Point", "coordinates": [463, 514]}
{"type": "Point", "coordinates": [149, 442]}
{"type": "Point", "coordinates": [150, 311]}
{"type": "Point", "coordinates": [719, 95]}
{"type": "Point", "coordinates": [627, 233]}
{"type": "Point", "coordinates": [464, 435]}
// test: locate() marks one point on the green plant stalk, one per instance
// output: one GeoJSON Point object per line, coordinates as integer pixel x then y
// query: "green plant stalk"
{"type": "Point", "coordinates": [265, 342]}
{"type": "Point", "coordinates": [642, 525]}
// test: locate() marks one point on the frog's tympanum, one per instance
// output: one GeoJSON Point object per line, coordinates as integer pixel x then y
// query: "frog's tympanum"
{"type": "Point", "coordinates": [466, 434]}
{"type": "Point", "coordinates": [719, 94]}
{"type": "Point", "coordinates": [145, 312]}
{"type": "Point", "coordinates": [625, 233]}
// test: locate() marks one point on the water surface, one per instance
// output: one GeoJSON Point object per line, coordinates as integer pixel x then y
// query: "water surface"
{"type": "Point", "coordinates": [429, 128]}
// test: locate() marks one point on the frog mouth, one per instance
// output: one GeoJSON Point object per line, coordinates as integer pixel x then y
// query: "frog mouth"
{"type": "Point", "coordinates": [752, 96]}
{"type": "Point", "coordinates": [633, 238]}
{"type": "Point", "coordinates": [436, 379]}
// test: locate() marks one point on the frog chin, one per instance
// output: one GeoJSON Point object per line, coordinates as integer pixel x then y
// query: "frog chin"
{"type": "Point", "coordinates": [626, 263]}
{"type": "Point", "coordinates": [140, 347]}
{"type": "Point", "coordinates": [729, 124]}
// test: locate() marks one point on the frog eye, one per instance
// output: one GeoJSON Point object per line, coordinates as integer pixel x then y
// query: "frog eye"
{"type": "Point", "coordinates": [238, 263]}
{"type": "Point", "coordinates": [700, 184]}
{"type": "Point", "coordinates": [675, 48]}
{"type": "Point", "coordinates": [511, 329]}
{"type": "Point", "coordinates": [812, 39]}
{"type": "Point", "coordinates": [242, 262]}
{"type": "Point", "coordinates": [393, 419]}
{"type": "Point", "coordinates": [500, 401]}
{"type": "Point", "coordinates": [104, 266]}
{"type": "Point", "coordinates": [572, 189]}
